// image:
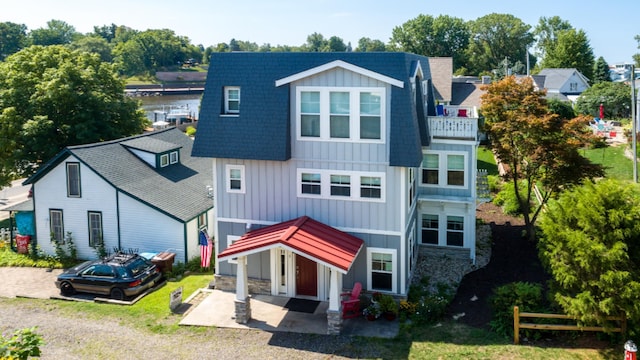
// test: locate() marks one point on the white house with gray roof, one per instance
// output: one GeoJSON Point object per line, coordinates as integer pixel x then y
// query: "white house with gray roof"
{"type": "Point", "coordinates": [144, 192]}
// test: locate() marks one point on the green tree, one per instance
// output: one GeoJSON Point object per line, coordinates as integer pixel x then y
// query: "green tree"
{"type": "Point", "coordinates": [571, 51]}
{"type": "Point", "coordinates": [563, 109]}
{"type": "Point", "coordinates": [366, 44]}
{"type": "Point", "coordinates": [590, 247]}
{"type": "Point", "coordinates": [495, 37]}
{"type": "Point", "coordinates": [94, 44]}
{"type": "Point", "coordinates": [335, 44]}
{"type": "Point", "coordinates": [52, 97]}
{"type": "Point", "coordinates": [614, 96]}
{"type": "Point", "coordinates": [537, 147]}
{"type": "Point", "coordinates": [315, 43]}
{"type": "Point", "coordinates": [107, 32]}
{"type": "Point", "coordinates": [57, 32]}
{"type": "Point", "coordinates": [13, 37]}
{"type": "Point", "coordinates": [441, 36]}
{"type": "Point", "coordinates": [601, 71]}
{"type": "Point", "coordinates": [546, 33]}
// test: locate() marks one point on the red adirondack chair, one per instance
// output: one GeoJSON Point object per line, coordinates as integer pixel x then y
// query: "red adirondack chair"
{"type": "Point", "coordinates": [351, 303]}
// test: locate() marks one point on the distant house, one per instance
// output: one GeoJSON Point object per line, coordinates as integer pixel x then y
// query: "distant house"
{"type": "Point", "coordinates": [144, 192]}
{"type": "Point", "coordinates": [332, 169]}
{"type": "Point", "coordinates": [562, 84]}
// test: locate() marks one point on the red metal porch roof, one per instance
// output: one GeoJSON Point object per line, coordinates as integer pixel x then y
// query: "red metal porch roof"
{"type": "Point", "coordinates": [304, 236]}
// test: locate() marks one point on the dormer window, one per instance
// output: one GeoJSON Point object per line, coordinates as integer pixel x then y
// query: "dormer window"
{"type": "Point", "coordinates": [232, 100]}
{"type": "Point", "coordinates": [157, 153]}
{"type": "Point", "coordinates": [168, 158]}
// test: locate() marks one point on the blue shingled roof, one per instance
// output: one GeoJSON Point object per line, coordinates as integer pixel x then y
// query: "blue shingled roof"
{"type": "Point", "coordinates": [261, 131]}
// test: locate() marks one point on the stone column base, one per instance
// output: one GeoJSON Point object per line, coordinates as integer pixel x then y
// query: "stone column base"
{"type": "Point", "coordinates": [243, 310]}
{"type": "Point", "coordinates": [334, 322]}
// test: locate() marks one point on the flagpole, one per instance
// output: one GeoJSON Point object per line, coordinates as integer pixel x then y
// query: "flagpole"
{"type": "Point", "coordinates": [634, 122]}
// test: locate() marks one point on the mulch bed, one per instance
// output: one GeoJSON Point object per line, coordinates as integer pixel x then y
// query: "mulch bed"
{"type": "Point", "coordinates": [513, 258]}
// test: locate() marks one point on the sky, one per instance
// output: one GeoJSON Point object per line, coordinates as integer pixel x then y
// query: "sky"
{"type": "Point", "coordinates": [609, 25]}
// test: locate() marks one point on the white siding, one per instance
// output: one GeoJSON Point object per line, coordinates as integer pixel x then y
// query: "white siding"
{"type": "Point", "coordinates": [50, 192]}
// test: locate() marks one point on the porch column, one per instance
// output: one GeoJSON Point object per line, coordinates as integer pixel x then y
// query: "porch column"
{"type": "Point", "coordinates": [242, 301]}
{"type": "Point", "coordinates": [334, 313]}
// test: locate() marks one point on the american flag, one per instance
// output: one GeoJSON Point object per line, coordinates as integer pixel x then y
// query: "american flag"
{"type": "Point", "coordinates": [206, 248]}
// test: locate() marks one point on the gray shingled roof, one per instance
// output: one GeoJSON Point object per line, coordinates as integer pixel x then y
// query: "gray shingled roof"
{"type": "Point", "coordinates": [556, 78]}
{"type": "Point", "coordinates": [150, 144]}
{"type": "Point", "coordinates": [466, 94]}
{"type": "Point", "coordinates": [261, 131]}
{"type": "Point", "coordinates": [442, 73]}
{"type": "Point", "coordinates": [178, 190]}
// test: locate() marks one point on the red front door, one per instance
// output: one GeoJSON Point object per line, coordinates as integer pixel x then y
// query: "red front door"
{"type": "Point", "coordinates": [306, 277]}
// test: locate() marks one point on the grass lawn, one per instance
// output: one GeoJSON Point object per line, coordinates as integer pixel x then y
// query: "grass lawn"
{"type": "Point", "coordinates": [487, 161]}
{"type": "Point", "coordinates": [617, 166]}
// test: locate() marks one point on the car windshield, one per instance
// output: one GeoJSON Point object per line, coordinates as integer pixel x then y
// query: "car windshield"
{"type": "Point", "coordinates": [137, 266]}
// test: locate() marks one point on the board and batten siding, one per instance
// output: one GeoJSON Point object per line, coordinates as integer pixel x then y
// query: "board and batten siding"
{"type": "Point", "coordinates": [469, 191]}
{"type": "Point", "coordinates": [50, 192]}
{"type": "Point", "coordinates": [145, 229]}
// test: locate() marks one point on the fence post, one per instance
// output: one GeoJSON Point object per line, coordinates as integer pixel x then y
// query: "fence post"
{"type": "Point", "coordinates": [516, 325]}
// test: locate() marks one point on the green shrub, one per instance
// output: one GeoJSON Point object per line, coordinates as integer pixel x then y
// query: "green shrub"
{"type": "Point", "coordinates": [190, 130]}
{"type": "Point", "coordinates": [23, 344]}
{"type": "Point", "coordinates": [506, 198]}
{"type": "Point", "coordinates": [495, 183]}
{"type": "Point", "coordinates": [425, 305]}
{"type": "Point", "coordinates": [527, 296]}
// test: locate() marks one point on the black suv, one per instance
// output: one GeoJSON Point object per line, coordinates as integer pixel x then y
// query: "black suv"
{"type": "Point", "coordinates": [119, 276]}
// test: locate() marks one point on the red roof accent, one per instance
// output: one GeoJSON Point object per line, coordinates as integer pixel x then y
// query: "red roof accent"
{"type": "Point", "coordinates": [302, 235]}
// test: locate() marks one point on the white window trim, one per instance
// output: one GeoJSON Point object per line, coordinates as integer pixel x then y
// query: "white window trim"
{"type": "Point", "coordinates": [442, 228]}
{"type": "Point", "coordinates": [354, 115]}
{"type": "Point", "coordinates": [164, 160]}
{"type": "Point", "coordinates": [228, 169]}
{"type": "Point", "coordinates": [394, 268]}
{"type": "Point", "coordinates": [76, 165]}
{"type": "Point", "coordinates": [325, 184]}
{"type": "Point", "coordinates": [442, 170]}
{"type": "Point", "coordinates": [173, 157]}
{"type": "Point", "coordinates": [94, 242]}
{"type": "Point", "coordinates": [230, 240]}
{"type": "Point", "coordinates": [227, 111]}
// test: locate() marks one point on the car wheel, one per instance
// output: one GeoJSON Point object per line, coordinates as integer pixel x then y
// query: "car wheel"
{"type": "Point", "coordinates": [67, 289]}
{"type": "Point", "coordinates": [117, 294]}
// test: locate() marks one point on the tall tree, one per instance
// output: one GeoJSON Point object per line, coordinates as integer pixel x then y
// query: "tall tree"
{"type": "Point", "coordinates": [614, 96]}
{"type": "Point", "coordinates": [95, 44]}
{"type": "Point", "coordinates": [495, 37]}
{"type": "Point", "coordinates": [57, 32]}
{"type": "Point", "coordinates": [546, 33]}
{"type": "Point", "coordinates": [366, 44]}
{"type": "Point", "coordinates": [52, 97]}
{"type": "Point", "coordinates": [601, 71]}
{"type": "Point", "coordinates": [315, 43]}
{"type": "Point", "coordinates": [590, 246]}
{"type": "Point", "coordinates": [571, 51]}
{"type": "Point", "coordinates": [335, 44]}
{"type": "Point", "coordinates": [13, 37]}
{"type": "Point", "coordinates": [537, 147]}
{"type": "Point", "coordinates": [107, 32]}
{"type": "Point", "coordinates": [441, 36]}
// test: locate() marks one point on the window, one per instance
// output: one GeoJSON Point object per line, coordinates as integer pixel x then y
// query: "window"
{"type": "Point", "coordinates": [311, 184]}
{"type": "Point", "coordinates": [173, 157]}
{"type": "Point", "coordinates": [412, 187]}
{"type": "Point", "coordinates": [430, 166]}
{"type": "Point", "coordinates": [573, 86]}
{"type": "Point", "coordinates": [230, 240]}
{"type": "Point", "coordinates": [455, 170]}
{"type": "Point", "coordinates": [381, 269]}
{"type": "Point", "coordinates": [56, 226]}
{"type": "Point", "coordinates": [340, 114]}
{"type": "Point", "coordinates": [310, 114]}
{"type": "Point", "coordinates": [370, 187]}
{"type": "Point", "coordinates": [202, 220]}
{"type": "Point", "coordinates": [164, 160]}
{"type": "Point", "coordinates": [73, 179]}
{"type": "Point", "coordinates": [231, 100]}
{"type": "Point", "coordinates": [444, 169]}
{"type": "Point", "coordinates": [95, 228]}
{"type": "Point", "coordinates": [352, 185]}
{"type": "Point", "coordinates": [340, 185]}
{"type": "Point", "coordinates": [370, 115]}
{"type": "Point", "coordinates": [430, 229]}
{"type": "Point", "coordinates": [455, 231]}
{"type": "Point", "coordinates": [235, 178]}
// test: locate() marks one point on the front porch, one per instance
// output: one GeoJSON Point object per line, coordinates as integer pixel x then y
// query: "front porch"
{"type": "Point", "coordinates": [269, 314]}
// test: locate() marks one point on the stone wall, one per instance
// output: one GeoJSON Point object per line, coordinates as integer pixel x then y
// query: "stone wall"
{"type": "Point", "coordinates": [256, 286]}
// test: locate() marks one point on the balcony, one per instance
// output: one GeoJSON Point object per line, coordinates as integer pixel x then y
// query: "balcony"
{"type": "Point", "coordinates": [454, 122]}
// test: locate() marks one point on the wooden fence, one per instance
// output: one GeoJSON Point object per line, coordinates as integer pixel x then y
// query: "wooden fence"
{"type": "Point", "coordinates": [517, 325]}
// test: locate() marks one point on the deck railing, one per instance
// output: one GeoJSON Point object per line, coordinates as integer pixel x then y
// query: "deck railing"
{"type": "Point", "coordinates": [453, 127]}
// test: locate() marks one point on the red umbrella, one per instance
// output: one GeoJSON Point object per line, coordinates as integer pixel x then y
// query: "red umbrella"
{"type": "Point", "coordinates": [601, 111]}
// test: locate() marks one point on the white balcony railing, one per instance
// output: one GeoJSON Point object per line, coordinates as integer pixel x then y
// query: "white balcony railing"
{"type": "Point", "coordinates": [453, 127]}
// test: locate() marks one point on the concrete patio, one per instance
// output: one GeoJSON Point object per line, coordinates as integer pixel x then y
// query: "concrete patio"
{"type": "Point", "coordinates": [269, 314]}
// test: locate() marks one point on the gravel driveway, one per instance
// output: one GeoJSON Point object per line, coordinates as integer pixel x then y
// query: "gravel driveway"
{"type": "Point", "coordinates": [82, 338]}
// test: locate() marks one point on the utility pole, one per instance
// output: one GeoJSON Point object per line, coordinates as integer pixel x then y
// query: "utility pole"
{"type": "Point", "coordinates": [634, 124]}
